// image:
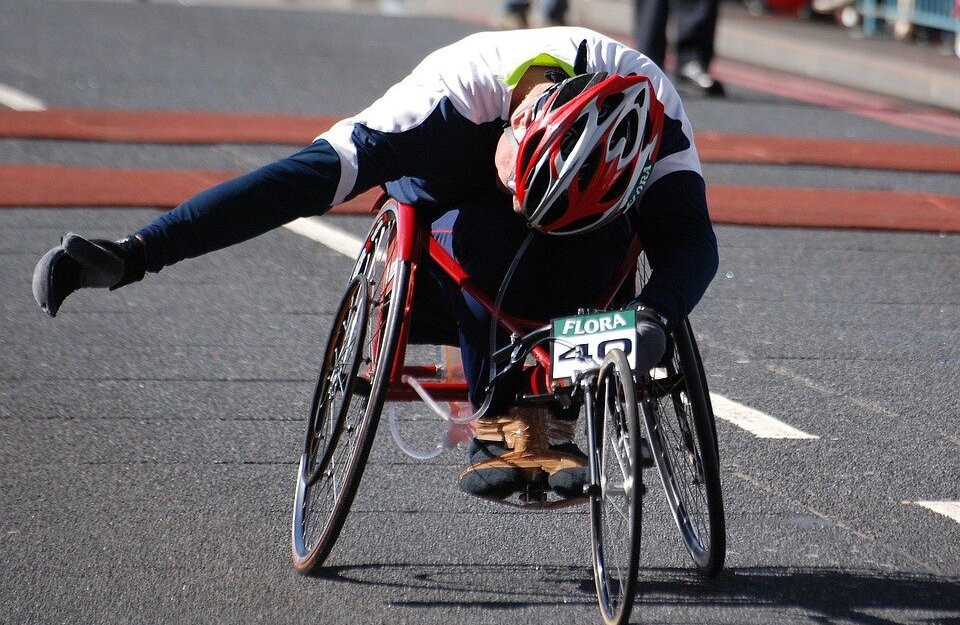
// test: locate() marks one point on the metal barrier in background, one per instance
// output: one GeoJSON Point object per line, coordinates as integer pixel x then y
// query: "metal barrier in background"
{"type": "Point", "coordinates": [940, 14]}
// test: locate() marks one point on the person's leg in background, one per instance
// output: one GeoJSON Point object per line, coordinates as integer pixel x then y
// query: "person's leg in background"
{"type": "Point", "coordinates": [650, 28]}
{"type": "Point", "coordinates": [514, 14]}
{"type": "Point", "coordinates": [555, 12]}
{"type": "Point", "coordinates": [696, 25]}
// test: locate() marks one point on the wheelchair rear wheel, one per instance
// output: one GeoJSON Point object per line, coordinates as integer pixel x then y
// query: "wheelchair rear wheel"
{"type": "Point", "coordinates": [349, 396]}
{"type": "Point", "coordinates": [676, 407]}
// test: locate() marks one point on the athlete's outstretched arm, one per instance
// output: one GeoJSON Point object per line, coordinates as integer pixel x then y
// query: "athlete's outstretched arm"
{"type": "Point", "coordinates": [300, 185]}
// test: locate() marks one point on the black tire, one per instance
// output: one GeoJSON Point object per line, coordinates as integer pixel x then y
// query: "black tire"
{"type": "Point", "coordinates": [616, 506]}
{"type": "Point", "coordinates": [676, 407]}
{"type": "Point", "coordinates": [349, 396]}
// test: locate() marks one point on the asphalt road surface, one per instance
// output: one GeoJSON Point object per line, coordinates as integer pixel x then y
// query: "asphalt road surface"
{"type": "Point", "coordinates": [150, 435]}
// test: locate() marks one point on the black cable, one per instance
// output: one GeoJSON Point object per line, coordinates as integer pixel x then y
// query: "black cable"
{"type": "Point", "coordinates": [495, 315]}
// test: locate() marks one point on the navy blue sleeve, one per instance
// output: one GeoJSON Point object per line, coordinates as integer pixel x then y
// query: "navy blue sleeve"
{"type": "Point", "coordinates": [674, 227]}
{"type": "Point", "coordinates": [300, 185]}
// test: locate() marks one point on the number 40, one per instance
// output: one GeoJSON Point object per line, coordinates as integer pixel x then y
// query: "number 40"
{"type": "Point", "coordinates": [581, 351]}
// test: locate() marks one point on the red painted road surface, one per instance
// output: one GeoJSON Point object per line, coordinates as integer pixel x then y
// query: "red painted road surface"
{"type": "Point", "coordinates": [72, 186]}
{"type": "Point", "coordinates": [85, 187]}
{"type": "Point", "coordinates": [868, 105]}
{"type": "Point", "coordinates": [198, 128]}
{"type": "Point", "coordinates": [177, 127]}
{"type": "Point", "coordinates": [67, 186]}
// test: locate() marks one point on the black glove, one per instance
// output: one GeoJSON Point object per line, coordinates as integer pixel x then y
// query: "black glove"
{"type": "Point", "coordinates": [652, 334]}
{"type": "Point", "coordinates": [78, 263]}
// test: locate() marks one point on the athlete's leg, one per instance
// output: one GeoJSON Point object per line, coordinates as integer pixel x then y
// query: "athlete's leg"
{"type": "Point", "coordinates": [650, 28]}
{"type": "Point", "coordinates": [484, 235]}
{"type": "Point", "coordinates": [554, 276]}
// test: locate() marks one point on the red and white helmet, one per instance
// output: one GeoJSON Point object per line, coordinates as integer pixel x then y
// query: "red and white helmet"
{"type": "Point", "coordinates": [588, 151]}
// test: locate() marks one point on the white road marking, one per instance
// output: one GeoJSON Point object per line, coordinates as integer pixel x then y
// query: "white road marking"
{"type": "Point", "coordinates": [949, 509]}
{"type": "Point", "coordinates": [325, 234]}
{"type": "Point", "coordinates": [757, 423]}
{"type": "Point", "coordinates": [20, 101]}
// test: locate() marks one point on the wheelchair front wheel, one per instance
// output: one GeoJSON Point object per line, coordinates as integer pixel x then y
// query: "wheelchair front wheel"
{"type": "Point", "coordinates": [616, 506]}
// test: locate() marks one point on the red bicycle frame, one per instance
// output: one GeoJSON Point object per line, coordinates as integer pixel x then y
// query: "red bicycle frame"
{"type": "Point", "coordinates": [413, 240]}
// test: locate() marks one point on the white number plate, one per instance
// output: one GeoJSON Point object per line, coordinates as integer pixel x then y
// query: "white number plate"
{"type": "Point", "coordinates": [581, 342]}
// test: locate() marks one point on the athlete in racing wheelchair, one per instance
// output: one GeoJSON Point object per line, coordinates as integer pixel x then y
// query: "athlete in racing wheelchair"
{"type": "Point", "coordinates": [561, 131]}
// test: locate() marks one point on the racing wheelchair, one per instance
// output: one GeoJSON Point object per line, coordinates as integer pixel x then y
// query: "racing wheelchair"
{"type": "Point", "coordinates": [632, 420]}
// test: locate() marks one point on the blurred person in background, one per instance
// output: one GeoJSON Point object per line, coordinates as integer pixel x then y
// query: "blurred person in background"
{"type": "Point", "coordinates": [515, 13]}
{"type": "Point", "coordinates": [695, 24]}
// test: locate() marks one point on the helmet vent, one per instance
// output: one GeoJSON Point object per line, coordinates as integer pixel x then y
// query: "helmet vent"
{"type": "Point", "coordinates": [537, 187]}
{"type": "Point", "coordinates": [626, 131]}
{"type": "Point", "coordinates": [571, 136]}
{"type": "Point", "coordinates": [647, 131]}
{"type": "Point", "coordinates": [609, 104]}
{"type": "Point", "coordinates": [530, 144]}
{"type": "Point", "coordinates": [585, 175]}
{"type": "Point", "coordinates": [617, 190]}
{"type": "Point", "coordinates": [557, 210]}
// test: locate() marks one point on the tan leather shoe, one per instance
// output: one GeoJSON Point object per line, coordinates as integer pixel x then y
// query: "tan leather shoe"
{"type": "Point", "coordinates": [527, 446]}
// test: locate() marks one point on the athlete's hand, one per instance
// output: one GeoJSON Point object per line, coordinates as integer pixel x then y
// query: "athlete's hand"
{"type": "Point", "coordinates": [651, 338]}
{"type": "Point", "coordinates": [78, 263]}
